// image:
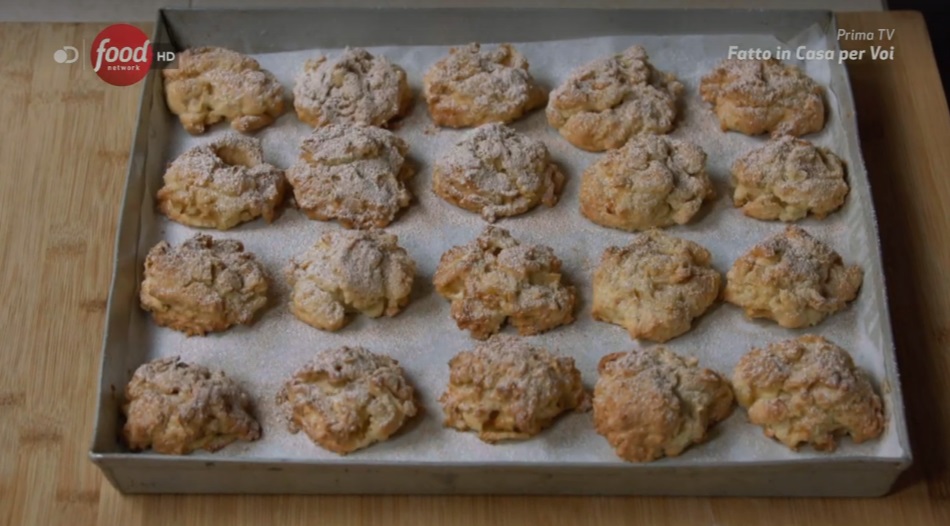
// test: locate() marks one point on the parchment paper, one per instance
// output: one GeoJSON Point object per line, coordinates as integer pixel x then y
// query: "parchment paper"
{"type": "Point", "coordinates": [424, 337]}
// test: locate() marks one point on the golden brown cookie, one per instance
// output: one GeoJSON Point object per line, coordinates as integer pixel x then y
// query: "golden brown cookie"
{"type": "Point", "coordinates": [177, 408]}
{"type": "Point", "coordinates": [606, 102]}
{"type": "Point", "coordinates": [221, 184]}
{"type": "Point", "coordinates": [353, 174]}
{"type": "Point", "coordinates": [807, 390]}
{"type": "Point", "coordinates": [470, 87]}
{"type": "Point", "coordinates": [655, 286]}
{"type": "Point", "coordinates": [355, 88]}
{"type": "Point", "coordinates": [496, 278]}
{"type": "Point", "coordinates": [788, 179]}
{"type": "Point", "coordinates": [792, 278]}
{"type": "Point", "coordinates": [204, 285]}
{"type": "Point", "coordinates": [211, 84]}
{"type": "Point", "coordinates": [347, 272]}
{"type": "Point", "coordinates": [654, 403]}
{"type": "Point", "coordinates": [508, 389]}
{"type": "Point", "coordinates": [760, 96]}
{"type": "Point", "coordinates": [347, 399]}
{"type": "Point", "coordinates": [653, 181]}
{"type": "Point", "coordinates": [497, 172]}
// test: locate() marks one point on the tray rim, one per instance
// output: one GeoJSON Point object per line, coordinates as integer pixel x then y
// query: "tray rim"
{"type": "Point", "coordinates": [135, 169]}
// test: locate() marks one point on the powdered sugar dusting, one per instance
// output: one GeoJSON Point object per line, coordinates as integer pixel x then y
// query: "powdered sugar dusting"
{"type": "Point", "coordinates": [763, 81]}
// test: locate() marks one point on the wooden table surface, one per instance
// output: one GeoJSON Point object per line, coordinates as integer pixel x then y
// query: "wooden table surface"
{"type": "Point", "coordinates": [62, 167]}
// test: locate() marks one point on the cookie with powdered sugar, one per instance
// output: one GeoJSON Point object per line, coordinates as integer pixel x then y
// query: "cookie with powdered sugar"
{"type": "Point", "coordinates": [788, 179]}
{"type": "Point", "coordinates": [347, 399]}
{"type": "Point", "coordinates": [355, 88]}
{"type": "Point", "coordinates": [496, 279]}
{"type": "Point", "coordinates": [653, 181]}
{"type": "Point", "coordinates": [350, 272]}
{"type": "Point", "coordinates": [764, 96]}
{"type": "Point", "coordinates": [203, 285]}
{"type": "Point", "coordinates": [792, 278]}
{"type": "Point", "coordinates": [176, 408]}
{"type": "Point", "coordinates": [497, 172]}
{"type": "Point", "coordinates": [212, 84]}
{"type": "Point", "coordinates": [473, 86]}
{"type": "Point", "coordinates": [808, 390]}
{"type": "Point", "coordinates": [654, 403]}
{"type": "Point", "coordinates": [606, 102]}
{"type": "Point", "coordinates": [655, 286]}
{"type": "Point", "coordinates": [222, 184]}
{"type": "Point", "coordinates": [508, 389]}
{"type": "Point", "coordinates": [353, 174]}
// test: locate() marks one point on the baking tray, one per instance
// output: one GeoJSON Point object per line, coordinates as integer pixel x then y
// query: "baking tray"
{"type": "Point", "coordinates": [569, 458]}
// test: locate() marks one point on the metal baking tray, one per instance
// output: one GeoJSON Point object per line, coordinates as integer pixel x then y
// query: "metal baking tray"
{"type": "Point", "coordinates": [569, 458]}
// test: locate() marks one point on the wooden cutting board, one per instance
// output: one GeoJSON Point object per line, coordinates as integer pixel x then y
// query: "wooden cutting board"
{"type": "Point", "coordinates": [62, 168]}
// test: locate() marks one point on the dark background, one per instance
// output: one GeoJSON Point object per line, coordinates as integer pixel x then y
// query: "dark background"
{"type": "Point", "coordinates": [937, 13]}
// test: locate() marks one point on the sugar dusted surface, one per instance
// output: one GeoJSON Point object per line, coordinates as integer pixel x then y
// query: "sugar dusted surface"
{"type": "Point", "coordinates": [423, 337]}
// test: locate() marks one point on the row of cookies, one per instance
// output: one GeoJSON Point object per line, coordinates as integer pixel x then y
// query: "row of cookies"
{"type": "Point", "coordinates": [646, 403]}
{"type": "Point", "coordinates": [466, 88]}
{"type": "Point", "coordinates": [655, 287]}
{"type": "Point", "coordinates": [357, 175]}
{"type": "Point", "coordinates": [598, 107]}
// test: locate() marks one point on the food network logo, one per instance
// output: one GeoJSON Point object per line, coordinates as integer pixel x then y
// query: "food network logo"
{"type": "Point", "coordinates": [121, 55]}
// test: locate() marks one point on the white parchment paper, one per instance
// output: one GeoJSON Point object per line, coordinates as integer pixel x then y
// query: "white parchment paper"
{"type": "Point", "coordinates": [424, 337]}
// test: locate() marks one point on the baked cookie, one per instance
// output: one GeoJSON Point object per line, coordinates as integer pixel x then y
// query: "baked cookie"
{"type": "Point", "coordinates": [347, 399]}
{"type": "Point", "coordinates": [356, 88]}
{"type": "Point", "coordinates": [497, 172]}
{"type": "Point", "coordinates": [470, 87]}
{"type": "Point", "coordinates": [347, 272]}
{"type": "Point", "coordinates": [808, 391]}
{"type": "Point", "coordinates": [653, 181]}
{"type": "Point", "coordinates": [353, 174]}
{"type": "Point", "coordinates": [508, 389]}
{"type": "Point", "coordinates": [177, 408]}
{"type": "Point", "coordinates": [212, 84]}
{"type": "Point", "coordinates": [496, 278]}
{"type": "Point", "coordinates": [654, 403]}
{"type": "Point", "coordinates": [606, 102]}
{"type": "Point", "coordinates": [204, 285]}
{"type": "Point", "coordinates": [792, 278]}
{"type": "Point", "coordinates": [759, 96]}
{"type": "Point", "coordinates": [655, 286]}
{"type": "Point", "coordinates": [788, 179]}
{"type": "Point", "coordinates": [221, 184]}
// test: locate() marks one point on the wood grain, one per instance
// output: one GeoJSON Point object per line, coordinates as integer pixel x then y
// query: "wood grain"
{"type": "Point", "coordinates": [63, 160]}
